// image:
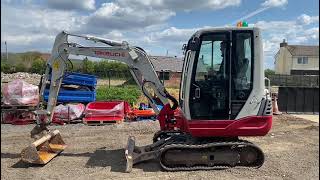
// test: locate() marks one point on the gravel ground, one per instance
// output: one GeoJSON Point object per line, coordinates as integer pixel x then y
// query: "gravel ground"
{"type": "Point", "coordinates": [35, 79]}
{"type": "Point", "coordinates": [96, 152]}
{"type": "Point", "coordinates": [28, 77]}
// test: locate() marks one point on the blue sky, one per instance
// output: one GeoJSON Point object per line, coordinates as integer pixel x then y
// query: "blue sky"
{"type": "Point", "coordinates": [156, 25]}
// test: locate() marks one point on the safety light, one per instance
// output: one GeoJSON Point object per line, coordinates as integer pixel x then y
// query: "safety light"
{"type": "Point", "coordinates": [242, 24]}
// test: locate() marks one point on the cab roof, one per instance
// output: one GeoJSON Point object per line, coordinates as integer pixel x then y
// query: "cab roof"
{"type": "Point", "coordinates": [223, 29]}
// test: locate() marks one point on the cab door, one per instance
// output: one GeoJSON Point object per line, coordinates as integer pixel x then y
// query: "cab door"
{"type": "Point", "coordinates": [209, 95]}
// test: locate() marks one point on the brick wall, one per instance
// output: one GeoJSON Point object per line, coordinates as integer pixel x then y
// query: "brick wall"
{"type": "Point", "coordinates": [174, 80]}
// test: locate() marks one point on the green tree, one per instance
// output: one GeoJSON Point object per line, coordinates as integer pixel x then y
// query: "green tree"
{"type": "Point", "coordinates": [38, 66]}
{"type": "Point", "coordinates": [28, 58]}
{"type": "Point", "coordinates": [87, 66]}
{"type": "Point", "coordinates": [269, 72]}
{"type": "Point", "coordinates": [5, 67]}
{"type": "Point", "coordinates": [21, 68]}
{"type": "Point", "coordinates": [115, 69]}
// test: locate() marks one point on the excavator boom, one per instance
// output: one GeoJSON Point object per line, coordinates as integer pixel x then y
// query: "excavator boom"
{"type": "Point", "coordinates": [139, 66]}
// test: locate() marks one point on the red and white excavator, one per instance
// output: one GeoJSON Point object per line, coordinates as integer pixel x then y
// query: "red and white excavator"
{"type": "Point", "coordinates": [222, 97]}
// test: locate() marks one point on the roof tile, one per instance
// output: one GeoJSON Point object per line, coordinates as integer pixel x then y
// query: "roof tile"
{"type": "Point", "coordinates": [300, 50]}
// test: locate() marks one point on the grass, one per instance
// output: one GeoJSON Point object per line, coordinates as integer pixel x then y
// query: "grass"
{"type": "Point", "coordinates": [130, 93]}
{"type": "Point", "coordinates": [127, 93]}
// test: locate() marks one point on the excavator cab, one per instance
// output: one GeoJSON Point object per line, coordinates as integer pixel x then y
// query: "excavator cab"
{"type": "Point", "coordinates": [222, 97]}
{"type": "Point", "coordinates": [222, 72]}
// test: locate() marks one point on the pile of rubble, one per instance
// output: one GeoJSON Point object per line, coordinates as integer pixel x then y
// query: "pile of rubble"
{"type": "Point", "coordinates": [28, 77]}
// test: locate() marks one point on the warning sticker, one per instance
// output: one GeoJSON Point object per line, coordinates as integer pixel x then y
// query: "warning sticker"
{"type": "Point", "coordinates": [56, 65]}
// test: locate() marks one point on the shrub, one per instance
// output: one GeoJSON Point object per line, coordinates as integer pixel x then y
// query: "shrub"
{"type": "Point", "coordinates": [5, 67]}
{"type": "Point", "coordinates": [269, 72]}
{"type": "Point", "coordinates": [114, 69]}
{"type": "Point", "coordinates": [20, 68]}
{"type": "Point", "coordinates": [38, 66]}
{"type": "Point", "coordinates": [127, 93]}
{"type": "Point", "coordinates": [87, 66]}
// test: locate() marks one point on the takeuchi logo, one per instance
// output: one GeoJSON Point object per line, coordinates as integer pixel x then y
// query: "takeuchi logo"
{"type": "Point", "coordinates": [107, 53]}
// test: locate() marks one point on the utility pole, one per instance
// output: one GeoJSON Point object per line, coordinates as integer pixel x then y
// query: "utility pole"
{"type": "Point", "coordinates": [6, 50]}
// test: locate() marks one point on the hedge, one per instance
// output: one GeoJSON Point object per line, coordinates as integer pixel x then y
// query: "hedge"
{"type": "Point", "coordinates": [127, 93]}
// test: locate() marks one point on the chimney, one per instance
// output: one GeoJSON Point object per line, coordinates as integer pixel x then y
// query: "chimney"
{"type": "Point", "coordinates": [284, 43]}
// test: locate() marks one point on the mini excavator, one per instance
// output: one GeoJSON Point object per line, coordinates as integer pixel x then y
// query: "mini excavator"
{"type": "Point", "coordinates": [222, 97]}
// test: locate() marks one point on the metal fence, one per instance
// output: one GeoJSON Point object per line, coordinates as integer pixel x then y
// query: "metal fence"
{"type": "Point", "coordinates": [294, 80]}
{"type": "Point", "coordinates": [298, 100]}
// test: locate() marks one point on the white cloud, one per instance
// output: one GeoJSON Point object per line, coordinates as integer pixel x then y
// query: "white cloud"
{"type": "Point", "coordinates": [29, 39]}
{"type": "Point", "coordinates": [305, 19]}
{"type": "Point", "coordinates": [178, 5]}
{"type": "Point", "coordinates": [72, 4]}
{"type": "Point", "coordinates": [26, 22]}
{"type": "Point", "coordinates": [275, 3]}
{"type": "Point", "coordinates": [172, 34]}
{"type": "Point", "coordinates": [33, 27]}
{"type": "Point", "coordinates": [141, 14]}
{"type": "Point", "coordinates": [35, 20]}
{"type": "Point", "coordinates": [312, 33]}
{"type": "Point", "coordinates": [265, 6]}
{"type": "Point", "coordinates": [112, 16]}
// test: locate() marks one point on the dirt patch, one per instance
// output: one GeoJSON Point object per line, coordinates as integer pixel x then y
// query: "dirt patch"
{"type": "Point", "coordinates": [113, 82]}
{"type": "Point", "coordinates": [314, 118]}
{"type": "Point", "coordinates": [96, 152]}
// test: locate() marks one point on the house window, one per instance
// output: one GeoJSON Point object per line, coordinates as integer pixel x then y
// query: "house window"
{"type": "Point", "coordinates": [164, 75]}
{"type": "Point", "coordinates": [302, 60]}
{"type": "Point", "coordinates": [305, 60]}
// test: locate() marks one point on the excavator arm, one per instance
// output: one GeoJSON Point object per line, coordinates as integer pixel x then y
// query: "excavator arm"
{"type": "Point", "coordinates": [49, 144]}
{"type": "Point", "coordinates": [136, 58]}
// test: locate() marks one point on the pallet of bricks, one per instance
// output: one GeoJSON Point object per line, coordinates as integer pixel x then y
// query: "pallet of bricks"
{"type": "Point", "coordinates": [76, 91]}
{"type": "Point", "coordinates": [18, 102]}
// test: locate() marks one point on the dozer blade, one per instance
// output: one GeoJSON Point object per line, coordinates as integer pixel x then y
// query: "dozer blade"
{"type": "Point", "coordinates": [44, 149]}
{"type": "Point", "coordinates": [135, 154]}
{"type": "Point", "coordinates": [129, 153]}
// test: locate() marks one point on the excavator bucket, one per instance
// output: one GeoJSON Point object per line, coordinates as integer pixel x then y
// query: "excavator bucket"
{"type": "Point", "coordinates": [44, 149]}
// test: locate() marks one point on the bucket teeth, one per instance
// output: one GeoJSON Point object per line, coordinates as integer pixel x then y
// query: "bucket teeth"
{"type": "Point", "coordinates": [44, 149]}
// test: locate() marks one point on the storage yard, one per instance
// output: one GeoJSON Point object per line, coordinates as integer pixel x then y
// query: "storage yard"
{"type": "Point", "coordinates": [96, 152]}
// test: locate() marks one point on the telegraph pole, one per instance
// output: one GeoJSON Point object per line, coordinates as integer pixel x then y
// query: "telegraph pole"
{"type": "Point", "coordinates": [6, 50]}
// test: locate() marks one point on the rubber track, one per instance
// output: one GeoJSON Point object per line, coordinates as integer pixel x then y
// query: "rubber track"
{"type": "Point", "coordinates": [208, 145]}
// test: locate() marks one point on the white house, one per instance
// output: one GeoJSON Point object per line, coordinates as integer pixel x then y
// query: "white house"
{"type": "Point", "coordinates": [297, 59]}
